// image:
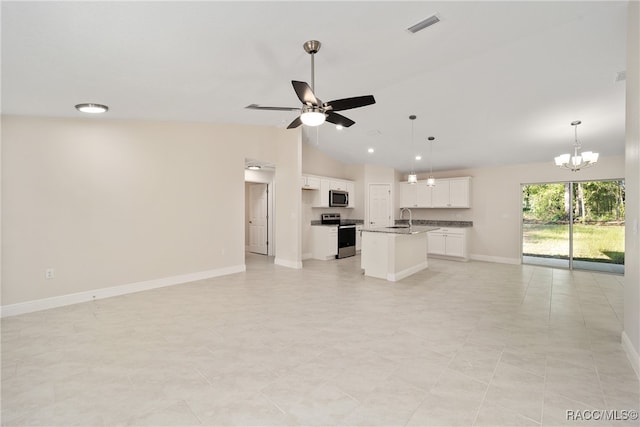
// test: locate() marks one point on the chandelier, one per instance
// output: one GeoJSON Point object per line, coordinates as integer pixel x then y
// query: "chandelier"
{"type": "Point", "coordinates": [578, 160]}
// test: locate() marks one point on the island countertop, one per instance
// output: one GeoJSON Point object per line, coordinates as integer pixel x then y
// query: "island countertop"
{"type": "Point", "coordinates": [415, 229]}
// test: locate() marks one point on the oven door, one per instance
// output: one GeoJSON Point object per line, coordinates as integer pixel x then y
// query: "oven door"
{"type": "Point", "coordinates": [346, 241]}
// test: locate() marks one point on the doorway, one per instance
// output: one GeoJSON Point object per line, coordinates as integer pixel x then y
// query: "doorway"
{"type": "Point", "coordinates": [574, 225]}
{"type": "Point", "coordinates": [259, 191]}
{"type": "Point", "coordinates": [258, 219]}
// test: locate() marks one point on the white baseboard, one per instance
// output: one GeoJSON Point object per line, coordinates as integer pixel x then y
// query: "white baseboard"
{"type": "Point", "coordinates": [394, 277]}
{"type": "Point", "coordinates": [632, 354]}
{"type": "Point", "coordinates": [287, 263]}
{"type": "Point", "coordinates": [63, 300]}
{"type": "Point", "coordinates": [496, 259]}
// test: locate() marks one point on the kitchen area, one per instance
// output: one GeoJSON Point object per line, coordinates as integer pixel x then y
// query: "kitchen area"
{"type": "Point", "coordinates": [336, 219]}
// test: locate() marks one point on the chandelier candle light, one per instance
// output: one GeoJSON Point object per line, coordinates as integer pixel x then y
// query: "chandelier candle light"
{"type": "Point", "coordinates": [412, 178]}
{"type": "Point", "coordinates": [578, 160]}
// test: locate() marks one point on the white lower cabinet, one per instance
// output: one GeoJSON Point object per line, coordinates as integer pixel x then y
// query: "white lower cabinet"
{"type": "Point", "coordinates": [324, 241]}
{"type": "Point", "coordinates": [449, 242]}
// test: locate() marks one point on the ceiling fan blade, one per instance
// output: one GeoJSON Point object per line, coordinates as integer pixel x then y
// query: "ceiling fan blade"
{"type": "Point", "coordinates": [349, 103]}
{"type": "Point", "coordinates": [295, 123]}
{"type": "Point", "coordinates": [304, 92]}
{"type": "Point", "coordinates": [339, 119]}
{"type": "Point", "coordinates": [262, 107]}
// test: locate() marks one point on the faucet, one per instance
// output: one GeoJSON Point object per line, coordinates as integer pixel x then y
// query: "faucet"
{"type": "Point", "coordinates": [402, 214]}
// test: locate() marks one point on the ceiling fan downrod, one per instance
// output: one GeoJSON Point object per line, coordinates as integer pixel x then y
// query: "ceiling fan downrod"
{"type": "Point", "coordinates": [312, 47]}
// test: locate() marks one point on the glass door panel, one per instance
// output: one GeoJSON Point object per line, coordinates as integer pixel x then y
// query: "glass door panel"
{"type": "Point", "coordinates": [546, 209]}
{"type": "Point", "coordinates": [598, 226]}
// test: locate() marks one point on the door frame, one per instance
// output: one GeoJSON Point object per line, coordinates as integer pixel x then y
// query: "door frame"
{"type": "Point", "coordinates": [265, 203]}
{"type": "Point", "coordinates": [571, 183]}
{"type": "Point", "coordinates": [260, 178]}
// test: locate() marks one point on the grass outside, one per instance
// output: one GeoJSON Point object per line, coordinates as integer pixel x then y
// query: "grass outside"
{"type": "Point", "coordinates": [597, 243]}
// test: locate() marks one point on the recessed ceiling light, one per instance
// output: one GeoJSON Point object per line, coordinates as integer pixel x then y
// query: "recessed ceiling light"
{"type": "Point", "coordinates": [92, 108]}
{"type": "Point", "coordinates": [254, 167]}
{"type": "Point", "coordinates": [339, 127]}
{"type": "Point", "coordinates": [370, 150]}
{"type": "Point", "coordinates": [418, 157]}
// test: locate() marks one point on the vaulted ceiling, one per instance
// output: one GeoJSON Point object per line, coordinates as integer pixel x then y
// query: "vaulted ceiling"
{"type": "Point", "coordinates": [493, 82]}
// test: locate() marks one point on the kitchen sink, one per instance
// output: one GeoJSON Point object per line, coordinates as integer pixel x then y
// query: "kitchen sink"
{"type": "Point", "coordinates": [399, 226]}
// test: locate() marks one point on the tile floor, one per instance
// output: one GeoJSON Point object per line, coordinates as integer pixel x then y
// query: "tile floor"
{"type": "Point", "coordinates": [459, 344]}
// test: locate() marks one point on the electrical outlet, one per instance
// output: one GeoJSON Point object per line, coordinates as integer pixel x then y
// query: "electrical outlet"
{"type": "Point", "coordinates": [49, 273]}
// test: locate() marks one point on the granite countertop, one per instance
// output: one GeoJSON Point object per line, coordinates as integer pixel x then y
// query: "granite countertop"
{"type": "Point", "coordinates": [436, 223]}
{"type": "Point", "coordinates": [414, 229]}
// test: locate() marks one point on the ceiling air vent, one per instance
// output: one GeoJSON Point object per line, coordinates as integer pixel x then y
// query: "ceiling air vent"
{"type": "Point", "coordinates": [433, 19]}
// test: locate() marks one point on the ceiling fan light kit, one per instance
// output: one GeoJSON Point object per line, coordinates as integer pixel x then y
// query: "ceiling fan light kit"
{"type": "Point", "coordinates": [578, 160]}
{"type": "Point", "coordinates": [314, 112]}
{"type": "Point", "coordinates": [312, 117]}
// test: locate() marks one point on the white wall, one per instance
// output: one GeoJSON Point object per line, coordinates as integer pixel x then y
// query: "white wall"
{"type": "Point", "coordinates": [496, 209]}
{"type": "Point", "coordinates": [110, 203]}
{"type": "Point", "coordinates": [631, 335]}
{"type": "Point", "coordinates": [287, 199]}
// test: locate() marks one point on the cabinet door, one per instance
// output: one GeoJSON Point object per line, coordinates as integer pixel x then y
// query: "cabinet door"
{"type": "Point", "coordinates": [325, 186]}
{"type": "Point", "coordinates": [337, 185]}
{"type": "Point", "coordinates": [455, 245]}
{"type": "Point", "coordinates": [440, 195]}
{"type": "Point", "coordinates": [423, 195]}
{"type": "Point", "coordinates": [311, 183]}
{"type": "Point", "coordinates": [358, 237]}
{"type": "Point", "coordinates": [351, 189]}
{"type": "Point", "coordinates": [332, 241]}
{"type": "Point", "coordinates": [436, 243]}
{"type": "Point", "coordinates": [408, 195]}
{"type": "Point", "coordinates": [459, 193]}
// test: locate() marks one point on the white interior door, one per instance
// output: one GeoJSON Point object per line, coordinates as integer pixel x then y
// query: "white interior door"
{"type": "Point", "coordinates": [258, 218]}
{"type": "Point", "coordinates": [379, 205]}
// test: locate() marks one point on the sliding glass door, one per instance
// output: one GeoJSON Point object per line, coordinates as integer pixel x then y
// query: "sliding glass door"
{"type": "Point", "coordinates": [576, 224]}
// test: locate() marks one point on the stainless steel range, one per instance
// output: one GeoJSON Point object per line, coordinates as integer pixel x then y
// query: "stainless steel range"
{"type": "Point", "coordinates": [346, 234]}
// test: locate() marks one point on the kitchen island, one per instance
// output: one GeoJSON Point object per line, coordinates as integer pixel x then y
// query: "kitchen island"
{"type": "Point", "coordinates": [393, 253]}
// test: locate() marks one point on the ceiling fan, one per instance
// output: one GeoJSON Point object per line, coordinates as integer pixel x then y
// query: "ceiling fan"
{"type": "Point", "coordinates": [314, 112]}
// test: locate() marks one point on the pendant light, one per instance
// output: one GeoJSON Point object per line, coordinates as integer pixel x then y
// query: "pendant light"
{"type": "Point", "coordinates": [578, 160]}
{"type": "Point", "coordinates": [431, 181]}
{"type": "Point", "coordinates": [412, 178]}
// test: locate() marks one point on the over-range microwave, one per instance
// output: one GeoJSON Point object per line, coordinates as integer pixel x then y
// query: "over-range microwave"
{"type": "Point", "coordinates": [338, 198]}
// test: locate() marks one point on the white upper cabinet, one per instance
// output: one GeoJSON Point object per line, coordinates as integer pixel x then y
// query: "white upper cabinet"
{"type": "Point", "coordinates": [310, 182]}
{"type": "Point", "coordinates": [459, 196]}
{"type": "Point", "coordinates": [335, 184]}
{"type": "Point", "coordinates": [415, 195]}
{"type": "Point", "coordinates": [325, 184]}
{"type": "Point", "coordinates": [351, 189]}
{"type": "Point", "coordinates": [447, 193]}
